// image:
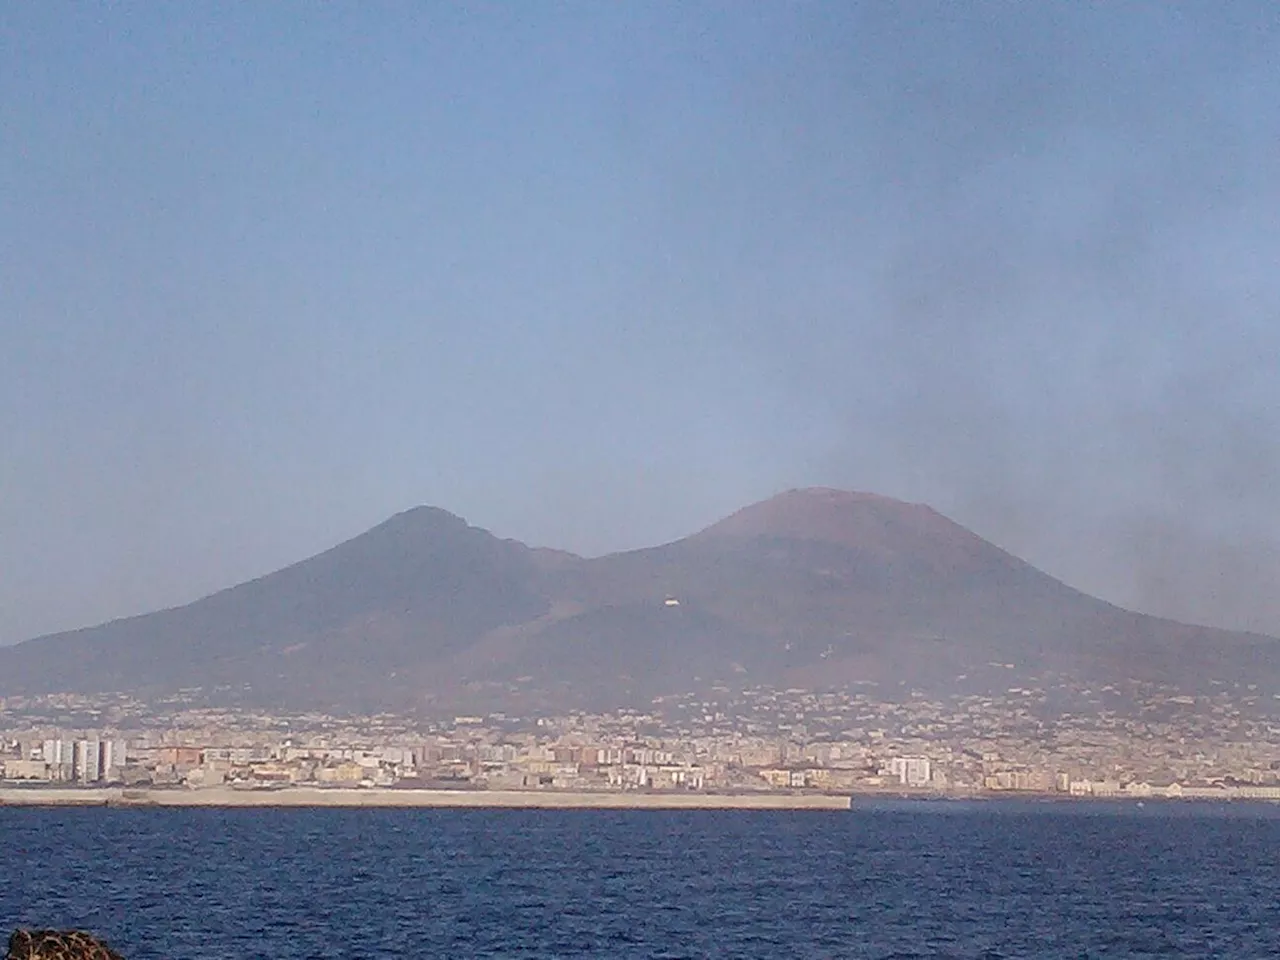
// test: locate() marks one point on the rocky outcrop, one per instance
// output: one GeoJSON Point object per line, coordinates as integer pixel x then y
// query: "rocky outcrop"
{"type": "Point", "coordinates": [58, 945]}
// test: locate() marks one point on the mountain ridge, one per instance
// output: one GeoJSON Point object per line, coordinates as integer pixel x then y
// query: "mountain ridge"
{"type": "Point", "coordinates": [814, 586]}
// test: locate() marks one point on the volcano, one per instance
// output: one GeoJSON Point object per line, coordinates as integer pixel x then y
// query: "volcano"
{"type": "Point", "coordinates": [814, 588]}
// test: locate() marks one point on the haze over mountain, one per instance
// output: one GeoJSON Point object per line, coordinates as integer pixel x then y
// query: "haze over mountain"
{"type": "Point", "coordinates": [1014, 260]}
{"type": "Point", "coordinates": [813, 588]}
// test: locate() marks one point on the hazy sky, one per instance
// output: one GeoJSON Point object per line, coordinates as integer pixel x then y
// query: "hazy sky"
{"type": "Point", "coordinates": [593, 275]}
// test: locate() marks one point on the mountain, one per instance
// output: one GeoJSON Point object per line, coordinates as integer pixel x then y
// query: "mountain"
{"type": "Point", "coordinates": [357, 625]}
{"type": "Point", "coordinates": [811, 588]}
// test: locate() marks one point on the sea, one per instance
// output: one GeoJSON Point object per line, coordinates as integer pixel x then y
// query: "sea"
{"type": "Point", "coordinates": [888, 880]}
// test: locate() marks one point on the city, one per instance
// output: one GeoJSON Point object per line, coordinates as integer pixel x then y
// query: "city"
{"type": "Point", "coordinates": [1052, 739]}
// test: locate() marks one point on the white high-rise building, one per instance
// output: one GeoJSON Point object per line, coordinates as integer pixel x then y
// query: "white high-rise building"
{"type": "Point", "coordinates": [86, 761]}
{"type": "Point", "coordinates": [57, 755]}
{"type": "Point", "coordinates": [112, 759]}
{"type": "Point", "coordinates": [911, 771]}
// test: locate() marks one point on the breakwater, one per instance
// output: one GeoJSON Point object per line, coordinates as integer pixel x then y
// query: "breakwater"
{"type": "Point", "coordinates": [511, 799]}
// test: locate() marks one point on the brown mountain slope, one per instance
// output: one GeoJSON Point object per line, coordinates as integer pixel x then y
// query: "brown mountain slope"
{"type": "Point", "coordinates": [822, 587]}
{"type": "Point", "coordinates": [813, 587]}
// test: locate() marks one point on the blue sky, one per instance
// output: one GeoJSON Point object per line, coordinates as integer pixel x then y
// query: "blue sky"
{"type": "Point", "coordinates": [593, 275]}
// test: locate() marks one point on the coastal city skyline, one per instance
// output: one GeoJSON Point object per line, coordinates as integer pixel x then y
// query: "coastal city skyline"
{"type": "Point", "coordinates": [1108, 743]}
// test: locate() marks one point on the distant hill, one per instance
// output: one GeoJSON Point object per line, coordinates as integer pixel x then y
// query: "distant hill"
{"type": "Point", "coordinates": [811, 588]}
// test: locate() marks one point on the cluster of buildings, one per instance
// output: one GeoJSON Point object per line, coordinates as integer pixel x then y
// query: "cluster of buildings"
{"type": "Point", "coordinates": [57, 760]}
{"type": "Point", "coordinates": [476, 759]}
{"type": "Point", "coordinates": [1049, 738]}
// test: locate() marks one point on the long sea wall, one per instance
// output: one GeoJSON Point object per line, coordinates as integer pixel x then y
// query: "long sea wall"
{"type": "Point", "coordinates": [510, 799]}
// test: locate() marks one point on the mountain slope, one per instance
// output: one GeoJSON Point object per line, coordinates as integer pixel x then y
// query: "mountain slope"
{"type": "Point", "coordinates": [810, 588]}
{"type": "Point", "coordinates": [820, 587]}
{"type": "Point", "coordinates": [357, 624]}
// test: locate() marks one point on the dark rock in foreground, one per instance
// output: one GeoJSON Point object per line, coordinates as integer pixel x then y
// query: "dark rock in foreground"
{"type": "Point", "coordinates": [58, 945]}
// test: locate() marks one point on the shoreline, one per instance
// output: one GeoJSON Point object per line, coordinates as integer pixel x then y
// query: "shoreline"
{"type": "Point", "coordinates": [410, 798]}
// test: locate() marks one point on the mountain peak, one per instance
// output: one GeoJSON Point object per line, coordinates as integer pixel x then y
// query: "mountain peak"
{"type": "Point", "coordinates": [849, 517]}
{"type": "Point", "coordinates": [420, 522]}
{"type": "Point", "coordinates": [424, 516]}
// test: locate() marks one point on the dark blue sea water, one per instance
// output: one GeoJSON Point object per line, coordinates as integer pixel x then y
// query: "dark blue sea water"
{"type": "Point", "coordinates": [939, 880]}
